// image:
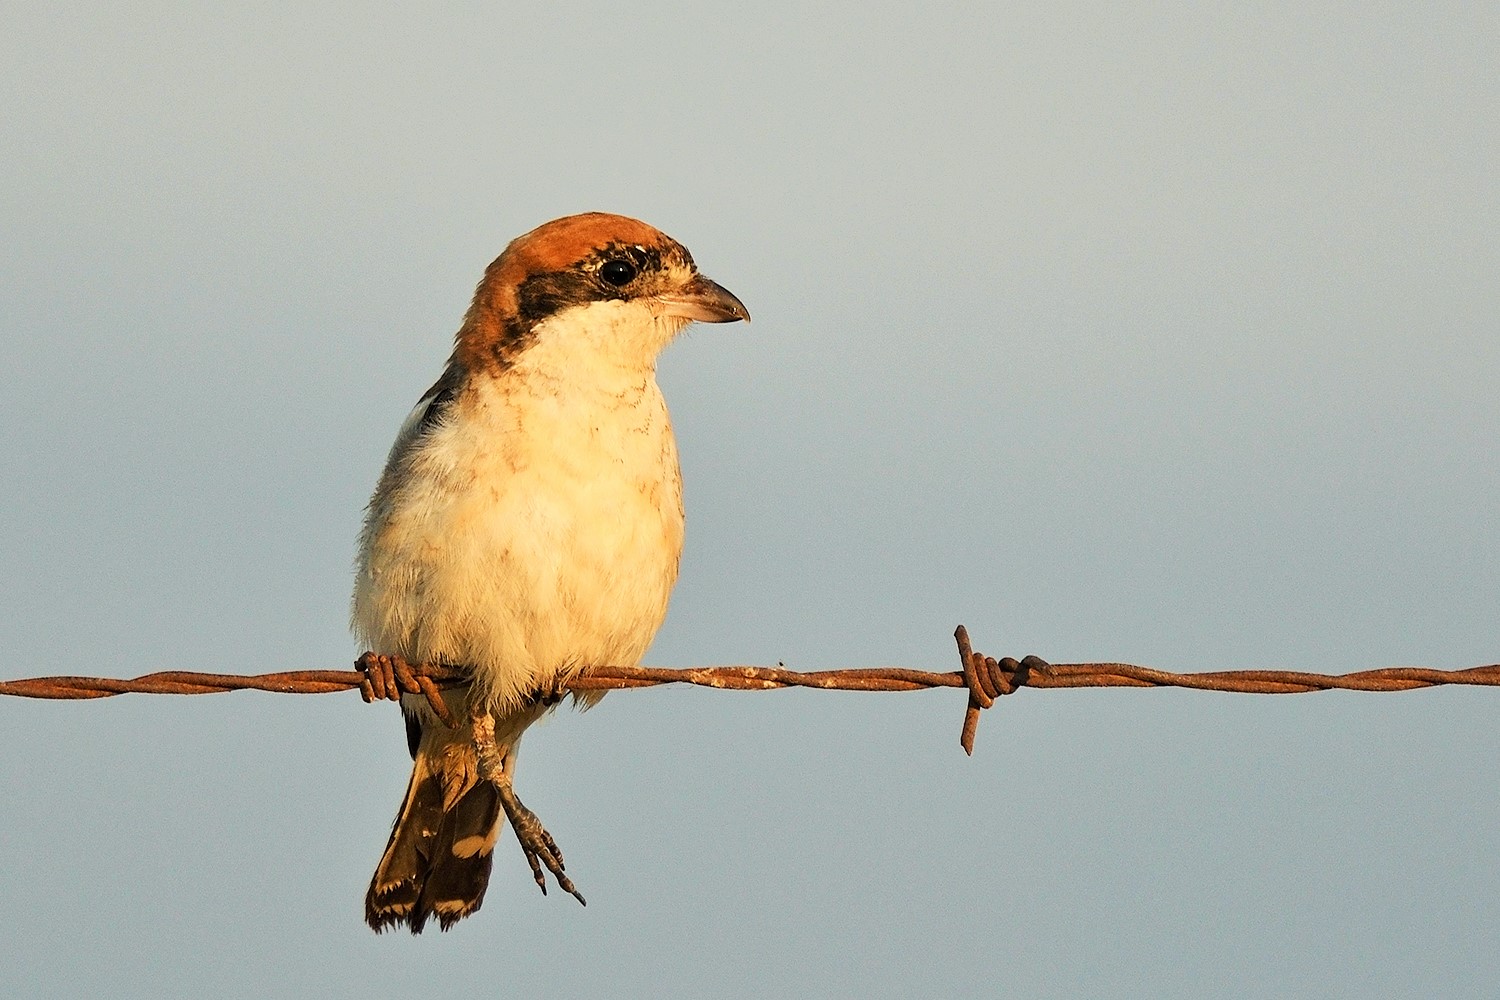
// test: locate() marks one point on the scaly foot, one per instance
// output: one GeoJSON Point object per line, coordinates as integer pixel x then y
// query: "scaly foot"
{"type": "Point", "coordinates": [536, 842]}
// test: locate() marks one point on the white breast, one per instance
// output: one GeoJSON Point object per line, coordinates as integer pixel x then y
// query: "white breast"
{"type": "Point", "coordinates": [537, 529]}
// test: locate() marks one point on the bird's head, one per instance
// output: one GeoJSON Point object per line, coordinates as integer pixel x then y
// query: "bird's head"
{"type": "Point", "coordinates": [607, 285]}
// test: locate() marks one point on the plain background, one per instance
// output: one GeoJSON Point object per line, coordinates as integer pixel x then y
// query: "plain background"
{"type": "Point", "coordinates": [1153, 332]}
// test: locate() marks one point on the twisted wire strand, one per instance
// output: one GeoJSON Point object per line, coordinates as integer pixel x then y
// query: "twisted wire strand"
{"type": "Point", "coordinates": [986, 679]}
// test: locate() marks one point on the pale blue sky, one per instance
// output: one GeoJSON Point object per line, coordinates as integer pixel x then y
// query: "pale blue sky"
{"type": "Point", "coordinates": [1158, 333]}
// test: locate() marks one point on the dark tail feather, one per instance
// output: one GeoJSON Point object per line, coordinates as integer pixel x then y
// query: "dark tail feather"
{"type": "Point", "coordinates": [463, 854]}
{"type": "Point", "coordinates": [437, 863]}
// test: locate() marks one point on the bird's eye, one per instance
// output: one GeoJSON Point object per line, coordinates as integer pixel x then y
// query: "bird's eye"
{"type": "Point", "coordinates": [618, 272]}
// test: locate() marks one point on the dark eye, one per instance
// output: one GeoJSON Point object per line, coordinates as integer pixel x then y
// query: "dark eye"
{"type": "Point", "coordinates": [618, 272]}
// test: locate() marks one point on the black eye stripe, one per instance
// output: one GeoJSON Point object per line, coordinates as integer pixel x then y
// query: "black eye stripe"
{"type": "Point", "coordinates": [643, 259]}
{"type": "Point", "coordinates": [616, 270]}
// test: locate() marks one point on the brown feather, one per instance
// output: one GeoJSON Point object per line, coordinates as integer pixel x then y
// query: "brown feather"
{"type": "Point", "coordinates": [437, 861]}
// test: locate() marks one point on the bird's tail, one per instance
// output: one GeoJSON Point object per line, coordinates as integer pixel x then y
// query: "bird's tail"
{"type": "Point", "coordinates": [437, 862]}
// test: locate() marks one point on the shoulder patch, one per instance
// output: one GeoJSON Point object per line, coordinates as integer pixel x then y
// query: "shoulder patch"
{"type": "Point", "coordinates": [435, 402]}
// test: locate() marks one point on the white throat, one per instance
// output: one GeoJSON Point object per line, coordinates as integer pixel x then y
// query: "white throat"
{"type": "Point", "coordinates": [600, 342]}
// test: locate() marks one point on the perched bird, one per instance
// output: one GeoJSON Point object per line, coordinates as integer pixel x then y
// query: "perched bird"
{"type": "Point", "coordinates": [528, 525]}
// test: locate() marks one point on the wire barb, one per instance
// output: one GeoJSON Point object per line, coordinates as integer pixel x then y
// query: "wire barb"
{"type": "Point", "coordinates": [386, 678]}
{"type": "Point", "coordinates": [383, 678]}
{"type": "Point", "coordinates": [987, 679]}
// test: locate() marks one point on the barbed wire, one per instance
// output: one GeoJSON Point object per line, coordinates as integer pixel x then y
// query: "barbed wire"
{"type": "Point", "coordinates": [380, 678]}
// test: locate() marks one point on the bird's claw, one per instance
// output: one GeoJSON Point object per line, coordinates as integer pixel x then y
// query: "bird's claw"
{"type": "Point", "coordinates": [550, 693]}
{"type": "Point", "coordinates": [537, 844]}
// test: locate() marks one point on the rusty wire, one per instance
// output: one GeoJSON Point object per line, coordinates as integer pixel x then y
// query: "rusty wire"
{"type": "Point", "coordinates": [986, 678]}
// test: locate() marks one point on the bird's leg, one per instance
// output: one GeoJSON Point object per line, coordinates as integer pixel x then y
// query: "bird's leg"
{"type": "Point", "coordinates": [496, 767]}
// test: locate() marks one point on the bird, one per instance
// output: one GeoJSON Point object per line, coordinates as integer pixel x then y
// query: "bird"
{"type": "Point", "coordinates": [528, 524]}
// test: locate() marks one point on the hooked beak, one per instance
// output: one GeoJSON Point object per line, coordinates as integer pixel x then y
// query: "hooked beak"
{"type": "Point", "coordinates": [705, 301]}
